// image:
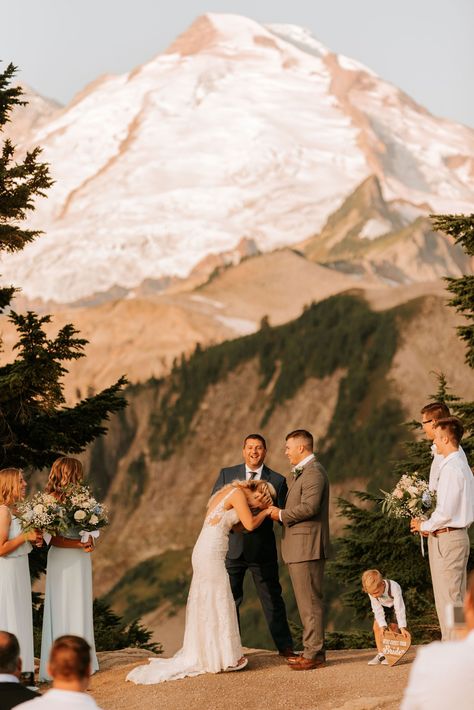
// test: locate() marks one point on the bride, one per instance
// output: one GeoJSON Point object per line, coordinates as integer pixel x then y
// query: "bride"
{"type": "Point", "coordinates": [211, 637]}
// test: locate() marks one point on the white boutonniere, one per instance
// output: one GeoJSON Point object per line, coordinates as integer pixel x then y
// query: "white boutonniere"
{"type": "Point", "coordinates": [297, 471]}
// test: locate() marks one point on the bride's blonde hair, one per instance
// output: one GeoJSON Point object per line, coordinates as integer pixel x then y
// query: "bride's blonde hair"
{"type": "Point", "coordinates": [10, 489]}
{"type": "Point", "coordinates": [264, 487]}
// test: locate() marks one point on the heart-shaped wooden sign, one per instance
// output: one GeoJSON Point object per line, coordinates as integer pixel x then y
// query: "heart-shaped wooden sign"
{"type": "Point", "coordinates": [394, 646]}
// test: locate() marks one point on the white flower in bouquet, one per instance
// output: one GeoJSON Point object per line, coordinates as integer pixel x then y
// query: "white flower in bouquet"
{"type": "Point", "coordinates": [83, 508]}
{"type": "Point", "coordinates": [42, 512]}
{"type": "Point", "coordinates": [411, 498]}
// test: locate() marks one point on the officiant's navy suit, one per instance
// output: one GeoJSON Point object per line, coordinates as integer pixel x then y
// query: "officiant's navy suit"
{"type": "Point", "coordinates": [256, 551]}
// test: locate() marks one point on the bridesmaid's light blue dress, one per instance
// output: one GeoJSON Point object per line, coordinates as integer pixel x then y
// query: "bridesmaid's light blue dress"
{"type": "Point", "coordinates": [15, 597]}
{"type": "Point", "coordinates": [68, 600]}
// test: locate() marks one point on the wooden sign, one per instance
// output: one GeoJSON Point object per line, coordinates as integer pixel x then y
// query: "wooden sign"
{"type": "Point", "coordinates": [394, 646]}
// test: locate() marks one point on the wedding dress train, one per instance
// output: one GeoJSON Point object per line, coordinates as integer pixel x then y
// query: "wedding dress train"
{"type": "Point", "coordinates": [211, 638]}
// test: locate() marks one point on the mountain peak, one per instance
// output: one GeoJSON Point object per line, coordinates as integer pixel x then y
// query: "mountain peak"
{"type": "Point", "coordinates": [226, 31]}
{"type": "Point", "coordinates": [239, 129]}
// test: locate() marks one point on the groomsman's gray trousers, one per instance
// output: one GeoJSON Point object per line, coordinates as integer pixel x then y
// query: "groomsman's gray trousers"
{"type": "Point", "coordinates": [448, 554]}
{"type": "Point", "coordinates": [307, 580]}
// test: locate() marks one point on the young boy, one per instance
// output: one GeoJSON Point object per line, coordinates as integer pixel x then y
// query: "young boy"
{"type": "Point", "coordinates": [387, 602]}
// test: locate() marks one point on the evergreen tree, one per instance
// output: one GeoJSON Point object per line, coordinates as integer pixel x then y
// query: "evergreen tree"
{"type": "Point", "coordinates": [36, 426]}
{"type": "Point", "coordinates": [461, 228]}
{"type": "Point", "coordinates": [371, 539]}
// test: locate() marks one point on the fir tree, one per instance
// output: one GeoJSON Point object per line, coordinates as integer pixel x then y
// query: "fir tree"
{"type": "Point", "coordinates": [371, 539]}
{"type": "Point", "coordinates": [35, 424]}
{"type": "Point", "coordinates": [461, 228]}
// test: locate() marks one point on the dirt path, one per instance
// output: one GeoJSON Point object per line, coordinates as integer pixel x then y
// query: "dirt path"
{"type": "Point", "coordinates": [346, 683]}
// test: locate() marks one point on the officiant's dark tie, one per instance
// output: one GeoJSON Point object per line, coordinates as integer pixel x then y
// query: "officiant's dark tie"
{"type": "Point", "coordinates": [252, 475]}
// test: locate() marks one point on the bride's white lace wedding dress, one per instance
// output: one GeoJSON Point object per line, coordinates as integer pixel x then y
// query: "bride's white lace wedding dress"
{"type": "Point", "coordinates": [211, 637]}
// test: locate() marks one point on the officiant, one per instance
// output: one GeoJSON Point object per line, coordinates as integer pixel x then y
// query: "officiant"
{"type": "Point", "coordinates": [256, 551]}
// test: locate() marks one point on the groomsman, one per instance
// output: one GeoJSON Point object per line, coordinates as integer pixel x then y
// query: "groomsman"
{"type": "Point", "coordinates": [256, 551]}
{"type": "Point", "coordinates": [305, 543]}
{"type": "Point", "coordinates": [448, 543]}
{"type": "Point", "coordinates": [429, 416]}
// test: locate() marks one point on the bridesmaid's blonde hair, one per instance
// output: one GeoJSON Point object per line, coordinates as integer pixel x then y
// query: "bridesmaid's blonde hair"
{"type": "Point", "coordinates": [254, 486]}
{"type": "Point", "coordinates": [64, 471]}
{"type": "Point", "coordinates": [10, 487]}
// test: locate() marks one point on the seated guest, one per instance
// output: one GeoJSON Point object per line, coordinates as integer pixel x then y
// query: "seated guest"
{"type": "Point", "coordinates": [12, 693]}
{"type": "Point", "coordinates": [70, 668]}
{"type": "Point", "coordinates": [442, 675]}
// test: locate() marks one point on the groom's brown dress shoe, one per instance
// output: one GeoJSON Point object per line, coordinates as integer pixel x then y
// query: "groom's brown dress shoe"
{"type": "Point", "coordinates": [307, 664]}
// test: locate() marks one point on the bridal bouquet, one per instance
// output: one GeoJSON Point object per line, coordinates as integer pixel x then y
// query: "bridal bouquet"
{"type": "Point", "coordinates": [411, 498]}
{"type": "Point", "coordinates": [42, 512]}
{"type": "Point", "coordinates": [83, 511]}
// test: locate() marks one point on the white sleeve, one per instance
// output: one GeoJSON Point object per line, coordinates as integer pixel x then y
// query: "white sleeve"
{"type": "Point", "coordinates": [449, 495]}
{"type": "Point", "coordinates": [377, 608]}
{"type": "Point", "coordinates": [398, 604]}
{"type": "Point", "coordinates": [434, 471]}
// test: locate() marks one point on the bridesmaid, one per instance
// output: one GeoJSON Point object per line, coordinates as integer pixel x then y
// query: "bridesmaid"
{"type": "Point", "coordinates": [15, 586]}
{"type": "Point", "coordinates": [68, 596]}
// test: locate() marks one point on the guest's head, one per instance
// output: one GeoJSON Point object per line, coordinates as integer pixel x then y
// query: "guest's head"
{"type": "Point", "coordinates": [12, 486]}
{"type": "Point", "coordinates": [254, 450]}
{"type": "Point", "coordinates": [372, 582]}
{"type": "Point", "coordinates": [64, 471]}
{"type": "Point", "coordinates": [299, 444]}
{"type": "Point", "coordinates": [447, 435]}
{"type": "Point", "coordinates": [10, 661]}
{"type": "Point", "coordinates": [469, 602]}
{"type": "Point", "coordinates": [430, 414]}
{"type": "Point", "coordinates": [70, 663]}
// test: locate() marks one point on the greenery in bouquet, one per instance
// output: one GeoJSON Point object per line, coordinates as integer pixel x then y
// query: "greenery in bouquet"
{"type": "Point", "coordinates": [411, 498]}
{"type": "Point", "coordinates": [83, 510]}
{"type": "Point", "coordinates": [42, 512]}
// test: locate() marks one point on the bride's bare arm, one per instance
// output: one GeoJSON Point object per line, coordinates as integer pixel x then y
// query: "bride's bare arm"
{"type": "Point", "coordinates": [248, 520]}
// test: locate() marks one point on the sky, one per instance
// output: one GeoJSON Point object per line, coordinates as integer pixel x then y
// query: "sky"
{"type": "Point", "coordinates": [422, 46]}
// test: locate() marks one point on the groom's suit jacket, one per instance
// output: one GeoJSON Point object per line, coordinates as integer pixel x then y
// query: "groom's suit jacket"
{"type": "Point", "coordinates": [305, 516]}
{"type": "Point", "coordinates": [258, 545]}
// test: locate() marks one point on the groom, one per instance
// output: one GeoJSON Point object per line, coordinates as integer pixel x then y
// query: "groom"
{"type": "Point", "coordinates": [256, 551]}
{"type": "Point", "coordinates": [305, 543]}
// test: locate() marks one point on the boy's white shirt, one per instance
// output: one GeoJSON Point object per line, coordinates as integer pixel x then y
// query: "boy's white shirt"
{"type": "Point", "coordinates": [397, 602]}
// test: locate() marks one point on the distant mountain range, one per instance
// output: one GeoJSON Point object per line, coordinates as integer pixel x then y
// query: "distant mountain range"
{"type": "Point", "coordinates": [238, 131]}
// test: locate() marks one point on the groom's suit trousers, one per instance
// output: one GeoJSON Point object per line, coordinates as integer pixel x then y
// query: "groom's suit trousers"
{"type": "Point", "coordinates": [307, 580]}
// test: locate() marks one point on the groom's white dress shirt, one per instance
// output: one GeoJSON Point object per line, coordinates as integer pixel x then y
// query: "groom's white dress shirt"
{"type": "Point", "coordinates": [455, 495]}
{"type": "Point", "coordinates": [257, 471]}
{"type": "Point", "coordinates": [442, 677]}
{"type": "Point", "coordinates": [436, 465]}
{"type": "Point", "coordinates": [56, 699]}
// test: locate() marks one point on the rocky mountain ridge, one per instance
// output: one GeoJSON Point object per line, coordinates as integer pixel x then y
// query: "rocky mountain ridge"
{"type": "Point", "coordinates": [238, 131]}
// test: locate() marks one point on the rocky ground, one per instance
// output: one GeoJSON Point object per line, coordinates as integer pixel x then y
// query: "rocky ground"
{"type": "Point", "coordinates": [346, 683]}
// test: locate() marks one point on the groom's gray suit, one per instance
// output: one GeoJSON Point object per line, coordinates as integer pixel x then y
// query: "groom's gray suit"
{"type": "Point", "coordinates": [305, 547]}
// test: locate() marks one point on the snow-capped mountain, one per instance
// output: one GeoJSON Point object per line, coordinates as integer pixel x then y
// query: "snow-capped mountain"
{"type": "Point", "coordinates": [237, 131]}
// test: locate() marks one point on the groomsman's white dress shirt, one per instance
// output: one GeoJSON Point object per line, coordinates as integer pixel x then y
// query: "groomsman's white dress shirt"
{"type": "Point", "coordinates": [455, 495]}
{"type": "Point", "coordinates": [378, 604]}
{"type": "Point", "coordinates": [56, 699]}
{"type": "Point", "coordinates": [442, 677]}
{"type": "Point", "coordinates": [436, 465]}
